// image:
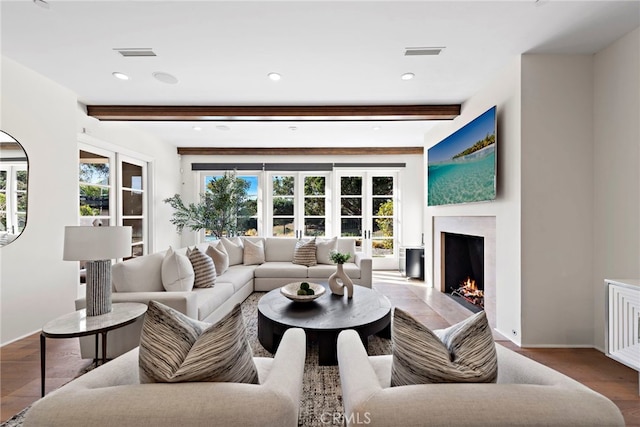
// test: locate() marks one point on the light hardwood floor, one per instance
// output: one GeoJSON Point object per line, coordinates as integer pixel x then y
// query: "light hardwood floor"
{"type": "Point", "coordinates": [20, 361]}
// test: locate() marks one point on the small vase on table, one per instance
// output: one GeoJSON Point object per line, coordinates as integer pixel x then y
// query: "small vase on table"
{"type": "Point", "coordinates": [339, 280]}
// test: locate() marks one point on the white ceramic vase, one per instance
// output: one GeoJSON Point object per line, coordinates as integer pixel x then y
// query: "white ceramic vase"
{"type": "Point", "coordinates": [339, 280]}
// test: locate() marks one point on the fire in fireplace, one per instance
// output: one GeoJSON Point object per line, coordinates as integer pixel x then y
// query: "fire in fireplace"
{"type": "Point", "coordinates": [470, 292]}
{"type": "Point", "coordinates": [464, 269]}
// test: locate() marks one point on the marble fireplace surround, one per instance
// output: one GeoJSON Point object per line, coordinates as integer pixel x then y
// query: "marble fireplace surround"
{"type": "Point", "coordinates": [483, 226]}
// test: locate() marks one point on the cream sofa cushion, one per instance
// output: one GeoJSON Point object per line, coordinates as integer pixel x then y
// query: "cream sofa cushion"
{"type": "Point", "coordinates": [253, 252]}
{"type": "Point", "coordinates": [281, 269]}
{"type": "Point", "coordinates": [279, 249]}
{"type": "Point", "coordinates": [324, 247]}
{"type": "Point", "coordinates": [219, 255]}
{"type": "Point", "coordinates": [177, 272]}
{"type": "Point", "coordinates": [234, 249]}
{"type": "Point", "coordinates": [142, 274]}
{"type": "Point", "coordinates": [347, 246]}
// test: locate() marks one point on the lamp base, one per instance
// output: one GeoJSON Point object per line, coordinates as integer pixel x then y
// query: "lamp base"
{"type": "Point", "coordinates": [98, 287]}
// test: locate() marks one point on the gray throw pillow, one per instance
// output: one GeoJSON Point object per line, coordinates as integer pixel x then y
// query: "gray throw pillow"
{"type": "Point", "coordinates": [462, 353]}
{"type": "Point", "coordinates": [175, 348]}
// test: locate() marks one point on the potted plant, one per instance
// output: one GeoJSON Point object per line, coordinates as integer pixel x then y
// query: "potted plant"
{"type": "Point", "coordinates": [338, 257]}
{"type": "Point", "coordinates": [217, 210]}
{"type": "Point", "coordinates": [340, 280]}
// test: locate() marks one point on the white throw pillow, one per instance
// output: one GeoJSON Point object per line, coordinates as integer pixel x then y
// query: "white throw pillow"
{"type": "Point", "coordinates": [234, 249]}
{"type": "Point", "coordinates": [253, 252]}
{"type": "Point", "coordinates": [219, 256]}
{"type": "Point", "coordinates": [142, 274]}
{"type": "Point", "coordinates": [177, 272]}
{"type": "Point", "coordinates": [324, 249]}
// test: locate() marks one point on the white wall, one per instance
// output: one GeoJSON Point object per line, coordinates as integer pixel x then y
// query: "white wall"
{"type": "Point", "coordinates": [616, 122]}
{"type": "Point", "coordinates": [411, 184]}
{"type": "Point", "coordinates": [568, 206]}
{"type": "Point", "coordinates": [504, 92]}
{"type": "Point", "coordinates": [35, 284]}
{"type": "Point", "coordinates": [557, 200]}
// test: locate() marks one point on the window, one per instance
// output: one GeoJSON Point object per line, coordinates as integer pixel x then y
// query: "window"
{"type": "Point", "coordinates": [246, 214]}
{"type": "Point", "coordinates": [113, 191]}
{"type": "Point", "coordinates": [298, 204]}
{"type": "Point", "coordinates": [95, 182]}
{"type": "Point", "coordinates": [133, 201]}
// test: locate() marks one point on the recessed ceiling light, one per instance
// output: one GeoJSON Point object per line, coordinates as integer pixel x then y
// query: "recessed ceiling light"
{"type": "Point", "coordinates": [222, 127]}
{"type": "Point", "coordinates": [274, 76]}
{"type": "Point", "coordinates": [293, 127]}
{"type": "Point", "coordinates": [197, 128]}
{"type": "Point", "coordinates": [407, 76]}
{"type": "Point", "coordinates": [377, 128]}
{"type": "Point", "coordinates": [43, 4]}
{"type": "Point", "coordinates": [119, 75]}
{"type": "Point", "coordinates": [165, 77]}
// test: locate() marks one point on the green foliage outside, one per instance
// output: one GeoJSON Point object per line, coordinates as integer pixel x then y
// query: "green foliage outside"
{"type": "Point", "coordinates": [487, 141]}
{"type": "Point", "coordinates": [385, 224]}
{"type": "Point", "coordinates": [224, 201]}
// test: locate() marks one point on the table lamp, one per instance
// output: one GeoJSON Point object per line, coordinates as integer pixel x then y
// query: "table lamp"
{"type": "Point", "coordinates": [97, 246]}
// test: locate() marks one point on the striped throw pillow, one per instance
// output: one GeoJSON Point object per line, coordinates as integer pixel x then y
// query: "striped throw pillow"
{"type": "Point", "coordinates": [462, 353]}
{"type": "Point", "coordinates": [175, 348]}
{"type": "Point", "coordinates": [305, 252]}
{"type": "Point", "coordinates": [203, 268]}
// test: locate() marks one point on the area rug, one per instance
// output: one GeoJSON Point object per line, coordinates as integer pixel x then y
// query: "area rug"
{"type": "Point", "coordinates": [321, 401]}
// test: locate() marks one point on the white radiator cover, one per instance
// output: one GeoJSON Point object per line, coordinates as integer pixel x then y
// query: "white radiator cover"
{"type": "Point", "coordinates": [623, 322]}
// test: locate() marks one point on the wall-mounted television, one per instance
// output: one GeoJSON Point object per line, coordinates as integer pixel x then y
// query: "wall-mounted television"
{"type": "Point", "coordinates": [462, 167]}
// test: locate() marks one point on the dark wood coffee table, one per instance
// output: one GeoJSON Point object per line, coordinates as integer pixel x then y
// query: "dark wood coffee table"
{"type": "Point", "coordinates": [368, 312]}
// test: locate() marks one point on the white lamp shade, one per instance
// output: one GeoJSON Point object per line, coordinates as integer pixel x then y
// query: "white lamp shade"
{"type": "Point", "coordinates": [82, 243]}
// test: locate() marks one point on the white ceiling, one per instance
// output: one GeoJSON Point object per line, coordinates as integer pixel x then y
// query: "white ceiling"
{"type": "Point", "coordinates": [329, 53]}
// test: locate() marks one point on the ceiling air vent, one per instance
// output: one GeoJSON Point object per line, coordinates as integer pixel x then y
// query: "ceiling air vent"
{"type": "Point", "coordinates": [422, 51]}
{"type": "Point", "coordinates": [129, 52]}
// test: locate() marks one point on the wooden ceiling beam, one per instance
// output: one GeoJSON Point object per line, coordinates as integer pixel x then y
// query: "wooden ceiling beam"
{"type": "Point", "coordinates": [274, 113]}
{"type": "Point", "coordinates": [280, 151]}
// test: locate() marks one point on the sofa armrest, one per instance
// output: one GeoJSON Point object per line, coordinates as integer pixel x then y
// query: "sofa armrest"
{"type": "Point", "coordinates": [357, 377]}
{"type": "Point", "coordinates": [287, 369]}
{"type": "Point", "coordinates": [364, 263]}
{"type": "Point", "coordinates": [184, 302]}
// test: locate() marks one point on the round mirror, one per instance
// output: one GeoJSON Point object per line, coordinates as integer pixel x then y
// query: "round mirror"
{"type": "Point", "coordinates": [14, 174]}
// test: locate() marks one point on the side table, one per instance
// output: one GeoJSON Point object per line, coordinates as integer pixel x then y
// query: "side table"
{"type": "Point", "coordinates": [78, 324]}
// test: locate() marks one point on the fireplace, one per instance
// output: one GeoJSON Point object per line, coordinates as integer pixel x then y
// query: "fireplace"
{"type": "Point", "coordinates": [463, 269]}
{"type": "Point", "coordinates": [483, 227]}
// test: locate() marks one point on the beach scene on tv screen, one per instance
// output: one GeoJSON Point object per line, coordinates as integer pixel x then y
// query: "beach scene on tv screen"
{"type": "Point", "coordinates": [462, 167]}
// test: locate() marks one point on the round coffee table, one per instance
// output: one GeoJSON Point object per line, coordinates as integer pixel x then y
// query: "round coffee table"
{"type": "Point", "coordinates": [368, 312]}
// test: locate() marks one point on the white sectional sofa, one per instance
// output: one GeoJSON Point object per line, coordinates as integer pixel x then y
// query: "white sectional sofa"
{"type": "Point", "coordinates": [140, 280]}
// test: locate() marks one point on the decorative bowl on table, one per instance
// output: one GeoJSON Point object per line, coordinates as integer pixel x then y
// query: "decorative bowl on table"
{"type": "Point", "coordinates": [311, 291]}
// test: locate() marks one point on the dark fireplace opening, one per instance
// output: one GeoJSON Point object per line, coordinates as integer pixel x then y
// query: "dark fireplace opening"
{"type": "Point", "coordinates": [463, 269]}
